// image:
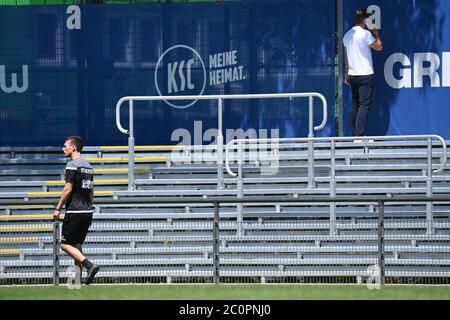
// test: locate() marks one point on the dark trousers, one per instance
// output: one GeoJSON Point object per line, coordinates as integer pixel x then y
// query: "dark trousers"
{"type": "Point", "coordinates": [362, 87]}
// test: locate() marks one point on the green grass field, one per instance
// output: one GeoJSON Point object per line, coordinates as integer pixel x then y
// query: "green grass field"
{"type": "Point", "coordinates": [226, 292]}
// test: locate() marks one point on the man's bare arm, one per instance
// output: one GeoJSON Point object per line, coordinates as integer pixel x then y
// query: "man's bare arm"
{"type": "Point", "coordinates": [346, 66]}
{"type": "Point", "coordinates": [378, 44]}
{"type": "Point", "coordinates": [62, 200]}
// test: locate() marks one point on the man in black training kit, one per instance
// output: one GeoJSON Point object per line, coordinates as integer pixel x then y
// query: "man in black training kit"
{"type": "Point", "coordinates": [77, 196]}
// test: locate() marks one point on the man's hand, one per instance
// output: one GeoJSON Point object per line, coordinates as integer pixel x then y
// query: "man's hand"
{"type": "Point", "coordinates": [375, 32]}
{"type": "Point", "coordinates": [378, 44]}
{"type": "Point", "coordinates": [56, 214]}
{"type": "Point", "coordinates": [347, 80]}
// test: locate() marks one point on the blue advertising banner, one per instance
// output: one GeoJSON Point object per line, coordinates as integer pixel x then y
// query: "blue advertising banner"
{"type": "Point", "coordinates": [63, 69]}
{"type": "Point", "coordinates": [412, 73]}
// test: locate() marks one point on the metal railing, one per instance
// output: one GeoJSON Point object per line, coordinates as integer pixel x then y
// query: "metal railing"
{"type": "Point", "coordinates": [379, 201]}
{"type": "Point", "coordinates": [220, 99]}
{"type": "Point", "coordinates": [311, 177]}
{"type": "Point", "coordinates": [217, 201]}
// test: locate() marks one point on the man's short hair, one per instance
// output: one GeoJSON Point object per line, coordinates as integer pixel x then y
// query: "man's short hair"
{"type": "Point", "coordinates": [360, 16]}
{"type": "Point", "coordinates": [77, 141]}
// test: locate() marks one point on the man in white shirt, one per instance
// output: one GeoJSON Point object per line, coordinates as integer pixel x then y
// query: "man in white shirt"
{"type": "Point", "coordinates": [358, 42]}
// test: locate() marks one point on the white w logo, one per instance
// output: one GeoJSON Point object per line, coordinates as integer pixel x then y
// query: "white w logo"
{"type": "Point", "coordinates": [14, 87]}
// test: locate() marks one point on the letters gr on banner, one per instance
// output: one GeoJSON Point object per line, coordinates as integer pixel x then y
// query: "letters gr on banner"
{"type": "Point", "coordinates": [409, 77]}
{"type": "Point", "coordinates": [14, 87]}
{"type": "Point", "coordinates": [180, 70]}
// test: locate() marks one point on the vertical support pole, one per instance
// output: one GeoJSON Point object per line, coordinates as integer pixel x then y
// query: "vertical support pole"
{"type": "Point", "coordinates": [340, 65]}
{"type": "Point", "coordinates": [220, 184]}
{"type": "Point", "coordinates": [430, 229]}
{"type": "Point", "coordinates": [55, 252]}
{"type": "Point", "coordinates": [311, 183]}
{"type": "Point", "coordinates": [333, 189]}
{"type": "Point", "coordinates": [131, 185]}
{"type": "Point", "coordinates": [216, 239]}
{"type": "Point", "coordinates": [240, 191]}
{"type": "Point", "coordinates": [381, 241]}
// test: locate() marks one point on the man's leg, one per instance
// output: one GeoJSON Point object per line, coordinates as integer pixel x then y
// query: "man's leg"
{"type": "Point", "coordinates": [74, 231]}
{"type": "Point", "coordinates": [72, 251]}
{"type": "Point", "coordinates": [365, 99]}
{"type": "Point", "coordinates": [355, 102]}
{"type": "Point", "coordinates": [79, 258]}
{"type": "Point", "coordinates": [78, 263]}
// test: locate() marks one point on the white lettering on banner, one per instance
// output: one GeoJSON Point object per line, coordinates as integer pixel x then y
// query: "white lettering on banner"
{"type": "Point", "coordinates": [405, 76]}
{"type": "Point", "coordinates": [14, 87]}
{"type": "Point", "coordinates": [374, 21]}
{"type": "Point", "coordinates": [179, 75]}
{"type": "Point", "coordinates": [229, 72]}
{"type": "Point", "coordinates": [432, 71]}
{"type": "Point", "coordinates": [171, 80]}
{"type": "Point", "coordinates": [425, 64]}
{"type": "Point", "coordinates": [446, 69]}
{"type": "Point", "coordinates": [223, 68]}
{"type": "Point", "coordinates": [226, 75]}
{"type": "Point", "coordinates": [74, 20]}
{"type": "Point", "coordinates": [223, 59]}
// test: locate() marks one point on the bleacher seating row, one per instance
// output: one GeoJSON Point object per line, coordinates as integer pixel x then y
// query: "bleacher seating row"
{"type": "Point", "coordinates": [278, 240]}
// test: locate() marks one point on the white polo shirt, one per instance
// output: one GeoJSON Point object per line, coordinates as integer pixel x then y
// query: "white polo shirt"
{"type": "Point", "coordinates": [357, 41]}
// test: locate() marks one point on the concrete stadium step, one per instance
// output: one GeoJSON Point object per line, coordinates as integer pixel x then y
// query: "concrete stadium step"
{"type": "Point", "coordinates": [255, 210]}
{"type": "Point", "coordinates": [425, 249]}
{"type": "Point", "coordinates": [397, 225]}
{"type": "Point", "coordinates": [190, 263]}
{"type": "Point", "coordinates": [231, 236]}
{"type": "Point", "coordinates": [33, 174]}
{"type": "Point", "coordinates": [9, 164]}
{"type": "Point", "coordinates": [91, 151]}
{"type": "Point", "coordinates": [275, 242]}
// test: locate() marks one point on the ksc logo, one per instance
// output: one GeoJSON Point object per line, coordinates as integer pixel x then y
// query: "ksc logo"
{"type": "Point", "coordinates": [183, 72]}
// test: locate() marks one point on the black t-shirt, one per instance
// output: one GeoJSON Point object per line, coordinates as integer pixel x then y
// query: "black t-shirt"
{"type": "Point", "coordinates": [80, 173]}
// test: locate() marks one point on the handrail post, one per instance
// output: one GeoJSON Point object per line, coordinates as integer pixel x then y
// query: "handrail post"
{"type": "Point", "coordinates": [220, 182]}
{"type": "Point", "coordinates": [430, 229]}
{"type": "Point", "coordinates": [381, 241]}
{"type": "Point", "coordinates": [131, 185]}
{"type": "Point", "coordinates": [55, 253]}
{"type": "Point", "coordinates": [333, 189]}
{"type": "Point", "coordinates": [216, 278]}
{"type": "Point", "coordinates": [311, 183]}
{"type": "Point", "coordinates": [240, 191]}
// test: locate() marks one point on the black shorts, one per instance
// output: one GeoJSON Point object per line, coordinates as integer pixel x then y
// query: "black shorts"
{"type": "Point", "coordinates": [75, 227]}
